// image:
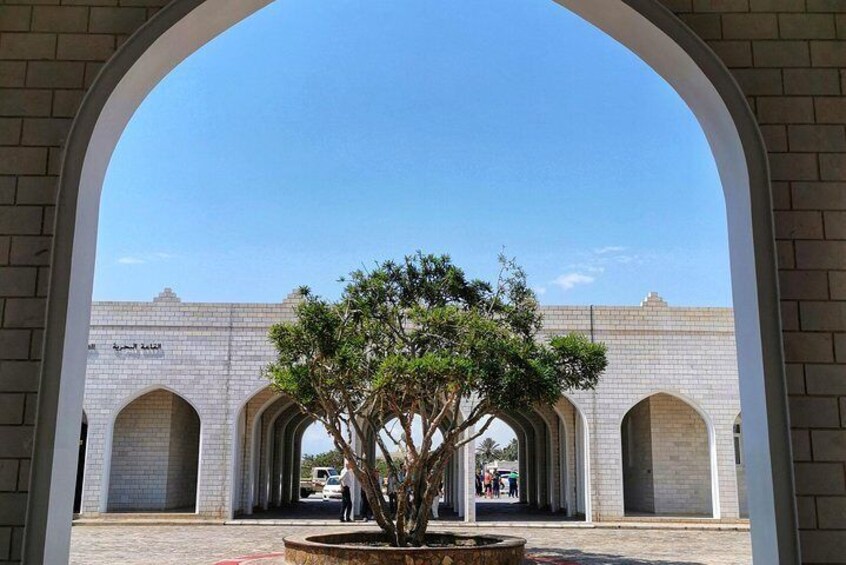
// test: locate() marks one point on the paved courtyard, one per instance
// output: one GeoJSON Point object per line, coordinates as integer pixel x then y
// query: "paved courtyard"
{"type": "Point", "coordinates": [209, 545]}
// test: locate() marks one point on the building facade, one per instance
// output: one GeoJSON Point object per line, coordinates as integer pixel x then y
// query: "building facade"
{"type": "Point", "coordinates": [179, 416]}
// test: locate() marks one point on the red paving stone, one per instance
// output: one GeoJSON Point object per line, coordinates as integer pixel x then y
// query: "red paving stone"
{"type": "Point", "coordinates": [219, 545]}
{"type": "Point", "coordinates": [240, 560]}
{"type": "Point", "coordinates": [530, 559]}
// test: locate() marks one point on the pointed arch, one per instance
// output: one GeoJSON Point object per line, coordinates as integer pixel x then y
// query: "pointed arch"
{"type": "Point", "coordinates": [644, 471]}
{"type": "Point", "coordinates": [645, 26]}
{"type": "Point", "coordinates": [160, 469]}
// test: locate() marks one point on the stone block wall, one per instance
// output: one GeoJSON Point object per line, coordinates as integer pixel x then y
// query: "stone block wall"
{"type": "Point", "coordinates": [155, 446]}
{"type": "Point", "coordinates": [680, 458]}
{"type": "Point", "coordinates": [138, 473]}
{"type": "Point", "coordinates": [787, 55]}
{"type": "Point", "coordinates": [686, 352]}
{"type": "Point", "coordinates": [212, 356]}
{"type": "Point", "coordinates": [638, 484]}
{"type": "Point", "coordinates": [183, 456]}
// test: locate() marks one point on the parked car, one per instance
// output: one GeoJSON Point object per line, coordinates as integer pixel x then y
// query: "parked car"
{"type": "Point", "coordinates": [314, 484]}
{"type": "Point", "coordinates": [332, 488]}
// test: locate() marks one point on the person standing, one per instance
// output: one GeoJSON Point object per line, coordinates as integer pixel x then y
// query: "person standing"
{"type": "Point", "coordinates": [392, 492]}
{"type": "Point", "coordinates": [346, 481]}
{"type": "Point", "coordinates": [512, 484]}
{"type": "Point", "coordinates": [487, 482]}
{"type": "Point", "coordinates": [495, 483]}
{"type": "Point", "coordinates": [436, 503]}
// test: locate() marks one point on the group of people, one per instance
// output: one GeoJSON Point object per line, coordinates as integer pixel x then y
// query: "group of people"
{"type": "Point", "coordinates": [491, 483]}
{"type": "Point", "coordinates": [393, 483]}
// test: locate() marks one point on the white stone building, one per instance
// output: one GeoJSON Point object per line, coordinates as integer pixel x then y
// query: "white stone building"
{"type": "Point", "coordinates": [179, 418]}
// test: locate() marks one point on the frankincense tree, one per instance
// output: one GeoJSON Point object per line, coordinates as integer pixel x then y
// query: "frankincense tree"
{"type": "Point", "coordinates": [417, 338]}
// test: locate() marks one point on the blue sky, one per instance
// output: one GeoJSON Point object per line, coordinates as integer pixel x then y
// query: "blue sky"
{"type": "Point", "coordinates": [318, 136]}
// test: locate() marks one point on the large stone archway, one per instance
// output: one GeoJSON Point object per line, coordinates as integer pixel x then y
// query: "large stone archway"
{"type": "Point", "coordinates": [648, 29]}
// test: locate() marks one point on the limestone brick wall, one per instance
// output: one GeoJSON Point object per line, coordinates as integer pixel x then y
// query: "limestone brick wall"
{"type": "Point", "coordinates": [787, 55]}
{"type": "Point", "coordinates": [638, 484]}
{"type": "Point", "coordinates": [140, 447]}
{"type": "Point", "coordinates": [155, 450]}
{"type": "Point", "coordinates": [680, 458]}
{"type": "Point", "coordinates": [741, 492]}
{"type": "Point", "coordinates": [183, 456]}
{"type": "Point", "coordinates": [50, 52]}
{"type": "Point", "coordinates": [212, 355]}
{"type": "Point", "coordinates": [686, 352]}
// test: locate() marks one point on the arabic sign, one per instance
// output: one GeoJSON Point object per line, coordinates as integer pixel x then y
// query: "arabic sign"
{"type": "Point", "coordinates": [138, 347]}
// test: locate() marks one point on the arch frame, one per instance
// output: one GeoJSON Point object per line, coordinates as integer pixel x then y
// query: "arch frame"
{"type": "Point", "coordinates": [645, 26]}
{"type": "Point", "coordinates": [235, 433]}
{"type": "Point", "coordinates": [585, 450]}
{"type": "Point", "coordinates": [716, 512]}
{"type": "Point", "coordinates": [108, 442]}
{"type": "Point", "coordinates": [270, 449]}
{"type": "Point", "coordinates": [253, 464]}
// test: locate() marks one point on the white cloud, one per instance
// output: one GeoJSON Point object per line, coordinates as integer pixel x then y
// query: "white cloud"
{"type": "Point", "coordinates": [571, 280]}
{"type": "Point", "coordinates": [609, 249]}
{"type": "Point", "coordinates": [145, 258]}
{"type": "Point", "coordinates": [540, 290]}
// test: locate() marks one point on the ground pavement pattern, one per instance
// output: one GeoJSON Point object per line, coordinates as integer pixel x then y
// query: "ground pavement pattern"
{"type": "Point", "coordinates": [229, 545]}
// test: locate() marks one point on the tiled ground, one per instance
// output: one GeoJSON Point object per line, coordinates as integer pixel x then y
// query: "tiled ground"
{"type": "Point", "coordinates": [207, 545]}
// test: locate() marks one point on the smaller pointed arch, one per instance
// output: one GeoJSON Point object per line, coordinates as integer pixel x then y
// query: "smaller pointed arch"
{"type": "Point", "coordinates": [667, 458]}
{"type": "Point", "coordinates": [153, 463]}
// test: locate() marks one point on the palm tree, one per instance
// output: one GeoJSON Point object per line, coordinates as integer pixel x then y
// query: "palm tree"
{"type": "Point", "coordinates": [487, 451]}
{"type": "Point", "coordinates": [510, 452]}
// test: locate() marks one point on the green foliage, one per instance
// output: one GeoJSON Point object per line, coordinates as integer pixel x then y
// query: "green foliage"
{"type": "Point", "coordinates": [418, 337]}
{"type": "Point", "coordinates": [333, 458]}
{"type": "Point", "coordinates": [486, 451]}
{"type": "Point", "coordinates": [510, 452]}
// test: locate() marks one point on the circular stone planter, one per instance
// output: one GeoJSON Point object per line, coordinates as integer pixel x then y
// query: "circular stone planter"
{"type": "Point", "coordinates": [351, 548]}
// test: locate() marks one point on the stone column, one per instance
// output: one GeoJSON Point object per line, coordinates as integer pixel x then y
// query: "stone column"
{"type": "Point", "coordinates": [460, 483]}
{"type": "Point", "coordinates": [523, 466]}
{"type": "Point", "coordinates": [553, 462]}
{"type": "Point", "coordinates": [468, 455]}
{"type": "Point", "coordinates": [542, 465]}
{"type": "Point", "coordinates": [93, 495]}
{"type": "Point", "coordinates": [291, 483]}
{"type": "Point", "coordinates": [297, 449]}
{"type": "Point", "coordinates": [726, 471]}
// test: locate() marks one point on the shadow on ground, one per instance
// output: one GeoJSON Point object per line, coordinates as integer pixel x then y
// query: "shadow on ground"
{"type": "Point", "coordinates": [508, 510]}
{"type": "Point", "coordinates": [504, 510]}
{"type": "Point", "coordinates": [576, 557]}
